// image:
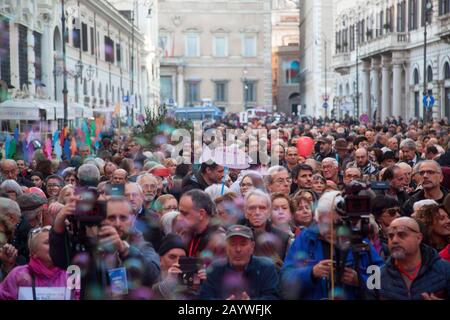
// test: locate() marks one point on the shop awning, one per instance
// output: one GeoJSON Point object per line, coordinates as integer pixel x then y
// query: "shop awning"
{"type": "Point", "coordinates": [19, 110]}
{"type": "Point", "coordinates": [81, 111]}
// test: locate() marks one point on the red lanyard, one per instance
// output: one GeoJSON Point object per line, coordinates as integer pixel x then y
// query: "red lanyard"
{"type": "Point", "coordinates": [193, 248]}
{"type": "Point", "coordinates": [410, 275]}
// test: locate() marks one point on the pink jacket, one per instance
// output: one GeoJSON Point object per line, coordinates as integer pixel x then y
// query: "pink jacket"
{"type": "Point", "coordinates": [21, 277]}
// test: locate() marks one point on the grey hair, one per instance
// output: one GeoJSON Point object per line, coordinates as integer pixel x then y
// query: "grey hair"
{"type": "Point", "coordinates": [274, 170]}
{"type": "Point", "coordinates": [327, 203]}
{"type": "Point", "coordinates": [332, 160]}
{"type": "Point", "coordinates": [167, 221]}
{"type": "Point", "coordinates": [136, 185]}
{"type": "Point", "coordinates": [258, 193]}
{"type": "Point", "coordinates": [11, 185]}
{"type": "Point", "coordinates": [143, 175]}
{"type": "Point", "coordinates": [426, 202]}
{"type": "Point", "coordinates": [89, 172]}
{"type": "Point", "coordinates": [433, 162]}
{"type": "Point", "coordinates": [408, 143]}
{"type": "Point", "coordinates": [10, 207]}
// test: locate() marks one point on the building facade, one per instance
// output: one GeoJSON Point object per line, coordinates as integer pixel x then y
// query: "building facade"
{"type": "Point", "coordinates": [101, 47]}
{"type": "Point", "coordinates": [316, 43]}
{"type": "Point", "coordinates": [379, 55]}
{"type": "Point", "coordinates": [285, 56]}
{"type": "Point", "coordinates": [216, 52]}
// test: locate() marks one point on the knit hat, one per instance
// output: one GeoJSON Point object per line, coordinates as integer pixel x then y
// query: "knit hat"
{"type": "Point", "coordinates": [171, 241]}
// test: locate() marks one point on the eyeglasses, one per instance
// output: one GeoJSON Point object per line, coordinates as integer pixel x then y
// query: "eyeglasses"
{"type": "Point", "coordinates": [281, 180]}
{"type": "Point", "coordinates": [400, 231]}
{"type": "Point", "coordinates": [53, 185]}
{"type": "Point", "coordinates": [429, 172]}
{"type": "Point", "coordinates": [393, 211]}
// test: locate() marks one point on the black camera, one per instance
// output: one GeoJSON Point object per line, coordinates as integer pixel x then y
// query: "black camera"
{"type": "Point", "coordinates": [89, 211]}
{"type": "Point", "coordinates": [189, 267]}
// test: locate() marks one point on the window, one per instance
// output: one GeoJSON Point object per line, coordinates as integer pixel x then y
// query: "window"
{"type": "Point", "coordinates": [192, 45]}
{"type": "Point", "coordinates": [76, 38]}
{"type": "Point", "coordinates": [118, 53]}
{"type": "Point", "coordinates": [220, 46]}
{"type": "Point", "coordinates": [109, 50]}
{"type": "Point", "coordinates": [166, 89]}
{"type": "Point", "coordinates": [352, 38]}
{"type": "Point", "coordinates": [401, 16]}
{"type": "Point", "coordinates": [444, 7]}
{"type": "Point", "coordinates": [249, 46]}
{"type": "Point", "coordinates": [291, 71]}
{"type": "Point", "coordinates": [164, 45]}
{"type": "Point", "coordinates": [192, 92]}
{"type": "Point", "coordinates": [84, 36]}
{"type": "Point", "coordinates": [221, 93]}
{"type": "Point", "coordinates": [92, 41]}
{"type": "Point", "coordinates": [447, 71]}
{"type": "Point", "coordinates": [412, 9]}
{"type": "Point", "coordinates": [23, 56]}
{"type": "Point", "coordinates": [38, 57]}
{"type": "Point", "coordinates": [430, 74]}
{"type": "Point", "coordinates": [5, 70]}
{"type": "Point", "coordinates": [250, 91]}
{"type": "Point", "coordinates": [416, 76]}
{"type": "Point", "coordinates": [85, 89]}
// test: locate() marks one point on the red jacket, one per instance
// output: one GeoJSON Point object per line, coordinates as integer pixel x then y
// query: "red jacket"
{"type": "Point", "coordinates": [445, 253]}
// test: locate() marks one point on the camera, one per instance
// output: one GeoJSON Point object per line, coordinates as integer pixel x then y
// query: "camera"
{"type": "Point", "coordinates": [189, 267]}
{"type": "Point", "coordinates": [89, 210]}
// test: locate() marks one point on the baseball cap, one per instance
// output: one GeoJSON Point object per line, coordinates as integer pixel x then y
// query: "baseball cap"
{"type": "Point", "coordinates": [324, 140]}
{"type": "Point", "coordinates": [341, 144]}
{"type": "Point", "coordinates": [239, 230]}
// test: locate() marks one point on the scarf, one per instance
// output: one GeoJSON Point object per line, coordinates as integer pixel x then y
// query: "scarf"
{"type": "Point", "coordinates": [40, 269]}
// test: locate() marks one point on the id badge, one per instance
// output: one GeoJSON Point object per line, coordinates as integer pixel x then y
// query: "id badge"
{"type": "Point", "coordinates": [118, 281]}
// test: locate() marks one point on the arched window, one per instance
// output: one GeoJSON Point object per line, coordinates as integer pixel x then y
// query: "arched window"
{"type": "Point", "coordinates": [430, 74]}
{"type": "Point", "coordinates": [416, 76]}
{"type": "Point", "coordinates": [447, 71]}
{"type": "Point", "coordinates": [341, 91]}
{"type": "Point", "coordinates": [291, 71]}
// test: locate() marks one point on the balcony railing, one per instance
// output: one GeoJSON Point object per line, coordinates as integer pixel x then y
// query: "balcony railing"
{"type": "Point", "coordinates": [388, 42]}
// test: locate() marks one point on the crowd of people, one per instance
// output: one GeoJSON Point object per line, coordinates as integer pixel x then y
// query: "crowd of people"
{"type": "Point", "coordinates": [139, 223]}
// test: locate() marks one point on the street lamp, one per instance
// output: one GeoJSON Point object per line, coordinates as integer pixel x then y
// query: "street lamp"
{"type": "Point", "coordinates": [244, 78]}
{"type": "Point", "coordinates": [428, 114]}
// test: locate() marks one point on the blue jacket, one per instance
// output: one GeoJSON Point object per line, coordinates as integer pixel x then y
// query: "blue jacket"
{"type": "Point", "coordinates": [306, 251]}
{"type": "Point", "coordinates": [433, 277]}
{"type": "Point", "coordinates": [259, 280]}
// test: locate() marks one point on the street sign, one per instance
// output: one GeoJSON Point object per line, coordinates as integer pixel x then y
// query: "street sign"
{"type": "Point", "coordinates": [428, 101]}
{"type": "Point", "coordinates": [325, 105]}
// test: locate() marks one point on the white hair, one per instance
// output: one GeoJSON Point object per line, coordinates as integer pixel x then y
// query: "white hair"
{"type": "Point", "coordinates": [327, 203]}
{"type": "Point", "coordinates": [258, 193]}
{"type": "Point", "coordinates": [215, 190]}
{"type": "Point", "coordinates": [332, 160]}
{"type": "Point", "coordinates": [426, 202]}
{"type": "Point", "coordinates": [11, 185]}
{"type": "Point", "coordinates": [10, 207]}
{"type": "Point", "coordinates": [167, 221]}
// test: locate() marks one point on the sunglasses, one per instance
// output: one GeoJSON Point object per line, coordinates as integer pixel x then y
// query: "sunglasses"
{"type": "Point", "coordinates": [37, 230]}
{"type": "Point", "coordinates": [402, 232]}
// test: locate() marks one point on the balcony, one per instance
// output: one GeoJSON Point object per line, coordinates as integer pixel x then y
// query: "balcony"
{"type": "Point", "coordinates": [445, 27]}
{"type": "Point", "coordinates": [341, 63]}
{"type": "Point", "coordinates": [386, 43]}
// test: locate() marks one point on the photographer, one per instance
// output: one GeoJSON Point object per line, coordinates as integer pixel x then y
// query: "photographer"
{"type": "Point", "coordinates": [308, 266]}
{"type": "Point", "coordinates": [170, 287]}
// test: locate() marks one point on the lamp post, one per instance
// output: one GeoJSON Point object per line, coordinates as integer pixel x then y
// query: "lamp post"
{"type": "Point", "coordinates": [65, 92]}
{"type": "Point", "coordinates": [428, 114]}
{"type": "Point", "coordinates": [78, 74]}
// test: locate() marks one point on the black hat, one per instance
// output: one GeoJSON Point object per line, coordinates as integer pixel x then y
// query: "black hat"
{"type": "Point", "coordinates": [30, 201]}
{"type": "Point", "coordinates": [171, 241]}
{"type": "Point", "coordinates": [238, 230]}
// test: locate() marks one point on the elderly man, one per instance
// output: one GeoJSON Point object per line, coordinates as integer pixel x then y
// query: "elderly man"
{"type": "Point", "coordinates": [147, 221]}
{"type": "Point", "coordinates": [241, 276]}
{"type": "Point", "coordinates": [121, 247]}
{"type": "Point", "coordinates": [10, 170]}
{"type": "Point", "coordinates": [415, 270]}
{"type": "Point", "coordinates": [149, 185]}
{"type": "Point", "coordinates": [119, 176]}
{"type": "Point", "coordinates": [309, 264]}
{"type": "Point", "coordinates": [330, 169]}
{"type": "Point", "coordinates": [88, 175]}
{"type": "Point", "coordinates": [409, 152]}
{"type": "Point", "coordinates": [278, 180]}
{"type": "Point", "coordinates": [258, 207]}
{"type": "Point", "coordinates": [10, 214]}
{"type": "Point", "coordinates": [326, 149]}
{"type": "Point", "coordinates": [362, 162]}
{"type": "Point", "coordinates": [351, 174]}
{"type": "Point", "coordinates": [431, 173]}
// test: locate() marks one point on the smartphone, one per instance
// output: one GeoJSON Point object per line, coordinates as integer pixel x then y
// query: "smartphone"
{"type": "Point", "coordinates": [115, 190]}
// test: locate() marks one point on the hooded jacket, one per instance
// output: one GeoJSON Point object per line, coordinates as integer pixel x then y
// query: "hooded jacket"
{"type": "Point", "coordinates": [433, 277]}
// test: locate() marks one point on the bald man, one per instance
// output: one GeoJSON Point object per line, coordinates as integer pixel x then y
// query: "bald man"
{"type": "Point", "coordinates": [10, 170]}
{"type": "Point", "coordinates": [415, 271]}
{"type": "Point", "coordinates": [363, 163]}
{"type": "Point", "coordinates": [119, 176]}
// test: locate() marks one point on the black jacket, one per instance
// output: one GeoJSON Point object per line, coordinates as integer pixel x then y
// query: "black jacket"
{"type": "Point", "coordinates": [260, 280]}
{"type": "Point", "coordinates": [20, 242]}
{"type": "Point", "coordinates": [408, 207]}
{"type": "Point", "coordinates": [147, 222]}
{"type": "Point", "coordinates": [199, 242]}
{"type": "Point", "coordinates": [193, 181]}
{"type": "Point", "coordinates": [433, 277]}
